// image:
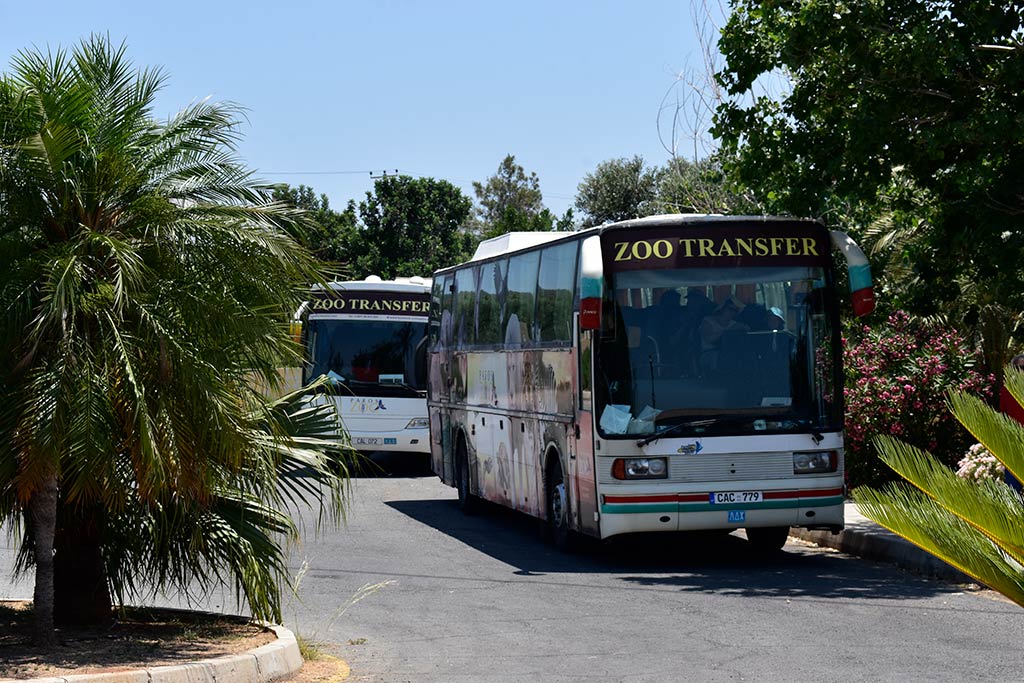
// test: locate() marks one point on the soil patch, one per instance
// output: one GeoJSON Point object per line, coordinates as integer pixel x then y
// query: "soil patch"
{"type": "Point", "coordinates": [139, 637]}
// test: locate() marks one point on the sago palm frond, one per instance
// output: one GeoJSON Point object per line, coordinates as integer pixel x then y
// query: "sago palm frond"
{"type": "Point", "coordinates": [977, 527]}
{"type": "Point", "coordinates": [919, 519]}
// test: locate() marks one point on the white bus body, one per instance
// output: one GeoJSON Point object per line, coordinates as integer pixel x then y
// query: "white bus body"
{"type": "Point", "coordinates": [369, 337]}
{"type": "Point", "coordinates": [567, 381]}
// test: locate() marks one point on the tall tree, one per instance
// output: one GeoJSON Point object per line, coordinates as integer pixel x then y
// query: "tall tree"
{"type": "Point", "coordinates": [927, 96]}
{"type": "Point", "coordinates": [410, 226]}
{"type": "Point", "coordinates": [146, 285]}
{"type": "Point", "coordinates": [618, 189]}
{"type": "Point", "coordinates": [510, 200]}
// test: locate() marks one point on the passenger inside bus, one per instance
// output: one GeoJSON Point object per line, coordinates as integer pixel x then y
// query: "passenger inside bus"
{"type": "Point", "coordinates": [712, 329]}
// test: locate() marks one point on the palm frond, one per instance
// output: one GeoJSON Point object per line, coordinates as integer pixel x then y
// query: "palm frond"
{"type": "Point", "coordinates": [919, 519]}
{"type": "Point", "coordinates": [999, 433]}
{"type": "Point", "coordinates": [991, 507]}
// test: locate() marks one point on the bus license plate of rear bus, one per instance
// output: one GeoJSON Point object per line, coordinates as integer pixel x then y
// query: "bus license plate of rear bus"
{"type": "Point", "coordinates": [736, 497]}
{"type": "Point", "coordinates": [366, 441]}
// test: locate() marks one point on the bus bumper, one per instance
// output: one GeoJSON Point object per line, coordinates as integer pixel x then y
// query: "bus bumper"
{"type": "Point", "coordinates": [617, 520]}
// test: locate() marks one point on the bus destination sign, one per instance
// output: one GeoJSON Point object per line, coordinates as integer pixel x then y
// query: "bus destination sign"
{"type": "Point", "coordinates": [755, 245]}
{"type": "Point", "coordinates": [376, 303]}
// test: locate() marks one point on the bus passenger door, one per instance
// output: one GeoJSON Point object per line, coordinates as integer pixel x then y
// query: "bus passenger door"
{"type": "Point", "coordinates": [581, 446]}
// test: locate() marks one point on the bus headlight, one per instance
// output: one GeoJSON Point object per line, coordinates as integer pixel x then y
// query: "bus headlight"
{"type": "Point", "coordinates": [640, 468]}
{"type": "Point", "coordinates": [418, 423]}
{"type": "Point", "coordinates": [817, 461]}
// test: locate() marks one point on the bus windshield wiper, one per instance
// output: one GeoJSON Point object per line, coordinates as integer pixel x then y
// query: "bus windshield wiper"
{"type": "Point", "coordinates": [675, 428]}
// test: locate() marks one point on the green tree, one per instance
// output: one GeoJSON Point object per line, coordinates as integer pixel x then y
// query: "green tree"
{"type": "Point", "coordinates": [976, 526]}
{"type": "Point", "coordinates": [510, 201]}
{"type": "Point", "coordinates": [410, 226]}
{"type": "Point", "coordinates": [329, 230]}
{"type": "Point", "coordinates": [908, 110]}
{"type": "Point", "coordinates": [146, 285]}
{"type": "Point", "coordinates": [617, 190]}
{"type": "Point", "coordinates": [701, 187]}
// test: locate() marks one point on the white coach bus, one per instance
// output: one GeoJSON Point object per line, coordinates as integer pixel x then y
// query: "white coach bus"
{"type": "Point", "coordinates": [661, 374]}
{"type": "Point", "coordinates": [369, 338]}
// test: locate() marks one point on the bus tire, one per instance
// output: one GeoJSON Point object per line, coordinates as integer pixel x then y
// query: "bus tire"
{"type": "Point", "coordinates": [767, 539]}
{"type": "Point", "coordinates": [468, 503]}
{"type": "Point", "coordinates": [558, 530]}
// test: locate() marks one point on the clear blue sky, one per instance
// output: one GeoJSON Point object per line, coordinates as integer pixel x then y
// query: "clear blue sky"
{"type": "Point", "coordinates": [431, 88]}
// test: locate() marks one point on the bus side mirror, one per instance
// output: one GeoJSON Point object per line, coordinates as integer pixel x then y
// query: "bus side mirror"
{"type": "Point", "coordinates": [861, 289]}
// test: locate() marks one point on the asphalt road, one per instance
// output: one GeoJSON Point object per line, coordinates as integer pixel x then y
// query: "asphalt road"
{"type": "Point", "coordinates": [412, 590]}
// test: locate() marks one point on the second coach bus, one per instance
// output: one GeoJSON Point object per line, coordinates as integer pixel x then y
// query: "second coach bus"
{"type": "Point", "coordinates": [369, 338]}
{"type": "Point", "coordinates": [668, 373]}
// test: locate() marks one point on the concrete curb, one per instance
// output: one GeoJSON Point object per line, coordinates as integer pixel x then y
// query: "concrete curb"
{"type": "Point", "coordinates": [264, 664]}
{"type": "Point", "coordinates": [864, 538]}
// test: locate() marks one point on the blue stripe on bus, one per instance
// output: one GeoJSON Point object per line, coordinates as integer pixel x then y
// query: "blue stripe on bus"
{"type": "Point", "coordinates": [860, 277]}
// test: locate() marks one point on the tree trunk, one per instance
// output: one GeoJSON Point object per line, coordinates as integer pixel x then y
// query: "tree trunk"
{"type": "Point", "coordinates": [995, 342]}
{"type": "Point", "coordinates": [81, 593]}
{"type": "Point", "coordinates": [42, 516]}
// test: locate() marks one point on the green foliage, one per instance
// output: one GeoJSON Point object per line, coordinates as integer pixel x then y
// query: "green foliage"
{"type": "Point", "coordinates": [897, 377]}
{"type": "Point", "coordinates": [146, 284]}
{"type": "Point", "coordinates": [977, 527]}
{"type": "Point", "coordinates": [511, 201]}
{"type": "Point", "coordinates": [909, 113]}
{"type": "Point", "coordinates": [620, 189]}
{"type": "Point", "coordinates": [701, 187]}
{"type": "Point", "coordinates": [329, 231]}
{"type": "Point", "coordinates": [409, 226]}
{"type": "Point", "coordinates": [617, 190]}
{"type": "Point", "coordinates": [509, 188]}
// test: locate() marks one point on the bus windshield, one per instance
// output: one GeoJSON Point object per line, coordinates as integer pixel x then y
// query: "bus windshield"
{"type": "Point", "coordinates": [369, 357]}
{"type": "Point", "coordinates": [717, 350]}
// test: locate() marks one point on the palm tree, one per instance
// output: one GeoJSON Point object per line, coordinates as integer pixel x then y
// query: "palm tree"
{"type": "Point", "coordinates": [978, 527]}
{"type": "Point", "coordinates": [146, 281]}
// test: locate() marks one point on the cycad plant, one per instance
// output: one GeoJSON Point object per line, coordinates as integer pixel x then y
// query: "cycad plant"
{"type": "Point", "coordinates": [976, 526]}
{"type": "Point", "coordinates": [146, 284]}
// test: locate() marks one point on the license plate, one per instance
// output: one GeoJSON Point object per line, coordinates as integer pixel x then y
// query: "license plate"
{"type": "Point", "coordinates": [733, 497]}
{"type": "Point", "coordinates": [366, 441]}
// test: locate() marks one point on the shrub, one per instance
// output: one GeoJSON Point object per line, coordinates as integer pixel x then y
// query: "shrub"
{"type": "Point", "coordinates": [978, 463]}
{"type": "Point", "coordinates": [897, 379]}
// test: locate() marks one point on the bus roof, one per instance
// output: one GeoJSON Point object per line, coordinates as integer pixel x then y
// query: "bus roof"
{"type": "Point", "coordinates": [375, 283]}
{"type": "Point", "coordinates": [514, 241]}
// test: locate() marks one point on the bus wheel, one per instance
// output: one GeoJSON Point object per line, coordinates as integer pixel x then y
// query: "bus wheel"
{"type": "Point", "coordinates": [468, 503]}
{"type": "Point", "coordinates": [767, 539]}
{"type": "Point", "coordinates": [558, 511]}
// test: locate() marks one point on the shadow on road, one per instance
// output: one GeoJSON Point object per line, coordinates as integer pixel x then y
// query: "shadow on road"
{"type": "Point", "coordinates": [384, 464]}
{"type": "Point", "coordinates": [706, 562]}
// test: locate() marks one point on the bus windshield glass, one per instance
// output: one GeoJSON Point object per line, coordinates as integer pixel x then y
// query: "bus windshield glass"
{"type": "Point", "coordinates": [733, 349]}
{"type": "Point", "coordinates": [369, 357]}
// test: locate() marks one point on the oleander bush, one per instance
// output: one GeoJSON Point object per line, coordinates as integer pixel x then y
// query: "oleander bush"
{"type": "Point", "coordinates": [897, 378]}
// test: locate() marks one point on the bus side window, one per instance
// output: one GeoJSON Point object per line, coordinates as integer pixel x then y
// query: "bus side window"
{"type": "Point", "coordinates": [556, 286]}
{"type": "Point", "coordinates": [465, 307]}
{"type": "Point", "coordinates": [446, 314]}
{"type": "Point", "coordinates": [490, 303]}
{"type": "Point", "coordinates": [520, 299]}
{"type": "Point", "coordinates": [436, 295]}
